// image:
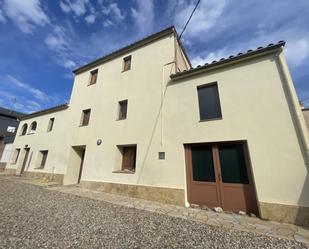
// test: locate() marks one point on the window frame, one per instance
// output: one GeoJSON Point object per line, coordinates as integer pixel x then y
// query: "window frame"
{"type": "Point", "coordinates": [92, 73]}
{"type": "Point", "coordinates": [82, 123]}
{"type": "Point", "coordinates": [44, 155]}
{"type": "Point", "coordinates": [120, 105]}
{"type": "Point", "coordinates": [125, 60]}
{"type": "Point", "coordinates": [31, 130]}
{"type": "Point", "coordinates": [215, 83]}
{"type": "Point", "coordinates": [50, 124]}
{"type": "Point", "coordinates": [127, 160]}
{"type": "Point", "coordinates": [15, 156]}
{"type": "Point", "coordinates": [24, 129]}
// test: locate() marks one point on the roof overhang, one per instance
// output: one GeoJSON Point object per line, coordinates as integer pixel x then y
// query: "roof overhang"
{"type": "Point", "coordinates": [249, 55]}
{"type": "Point", "coordinates": [46, 111]}
{"type": "Point", "coordinates": [127, 49]}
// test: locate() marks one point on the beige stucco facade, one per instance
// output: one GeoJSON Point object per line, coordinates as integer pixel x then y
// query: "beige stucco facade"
{"type": "Point", "coordinates": [258, 106]}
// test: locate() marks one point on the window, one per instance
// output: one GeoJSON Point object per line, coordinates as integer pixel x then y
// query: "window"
{"type": "Point", "coordinates": [11, 129]}
{"type": "Point", "coordinates": [43, 157]}
{"type": "Point", "coordinates": [93, 77]}
{"type": "Point", "coordinates": [209, 102]}
{"type": "Point", "coordinates": [127, 63]}
{"type": "Point", "coordinates": [24, 129]}
{"type": "Point", "coordinates": [128, 157]}
{"type": "Point", "coordinates": [162, 155]}
{"type": "Point", "coordinates": [85, 117]}
{"type": "Point", "coordinates": [32, 127]}
{"type": "Point", "coordinates": [50, 124]}
{"type": "Point", "coordinates": [123, 106]}
{"type": "Point", "coordinates": [15, 156]}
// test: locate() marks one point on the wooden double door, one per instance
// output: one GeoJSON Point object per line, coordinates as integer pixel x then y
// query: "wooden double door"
{"type": "Point", "coordinates": [219, 175]}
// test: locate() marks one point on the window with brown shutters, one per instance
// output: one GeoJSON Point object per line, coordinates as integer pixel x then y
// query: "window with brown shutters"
{"type": "Point", "coordinates": [93, 77]}
{"type": "Point", "coordinates": [127, 63]}
{"type": "Point", "coordinates": [44, 154]}
{"type": "Point", "coordinates": [85, 117]}
{"type": "Point", "coordinates": [123, 107]}
{"type": "Point", "coordinates": [128, 157]}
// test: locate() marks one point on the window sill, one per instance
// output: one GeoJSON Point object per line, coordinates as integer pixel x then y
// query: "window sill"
{"type": "Point", "coordinates": [210, 119]}
{"type": "Point", "coordinates": [123, 71]}
{"type": "Point", "coordinates": [82, 125]}
{"type": "Point", "coordinates": [124, 171]}
{"type": "Point", "coordinates": [39, 168]}
{"type": "Point", "coordinates": [119, 119]}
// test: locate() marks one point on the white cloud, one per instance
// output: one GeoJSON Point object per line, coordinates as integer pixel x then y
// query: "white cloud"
{"type": "Point", "coordinates": [114, 11]}
{"type": "Point", "coordinates": [203, 19]}
{"type": "Point", "coordinates": [210, 57]}
{"type": "Point", "coordinates": [144, 16]}
{"type": "Point", "coordinates": [64, 7]}
{"type": "Point", "coordinates": [297, 51]}
{"type": "Point", "coordinates": [78, 7]}
{"type": "Point", "coordinates": [36, 92]}
{"type": "Point", "coordinates": [69, 64]}
{"type": "Point", "coordinates": [55, 42]}
{"type": "Point", "coordinates": [90, 18]}
{"type": "Point", "coordinates": [25, 14]}
{"type": "Point", "coordinates": [2, 18]}
{"type": "Point", "coordinates": [107, 23]}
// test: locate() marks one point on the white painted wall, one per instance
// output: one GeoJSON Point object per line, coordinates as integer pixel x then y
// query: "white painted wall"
{"type": "Point", "coordinates": [7, 153]}
{"type": "Point", "coordinates": [56, 142]}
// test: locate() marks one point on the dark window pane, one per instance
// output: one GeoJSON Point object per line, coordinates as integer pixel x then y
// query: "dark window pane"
{"type": "Point", "coordinates": [209, 102]}
{"type": "Point", "coordinates": [85, 117]}
{"type": "Point", "coordinates": [94, 76]}
{"type": "Point", "coordinates": [233, 164]}
{"type": "Point", "coordinates": [202, 164]}
{"type": "Point", "coordinates": [123, 106]}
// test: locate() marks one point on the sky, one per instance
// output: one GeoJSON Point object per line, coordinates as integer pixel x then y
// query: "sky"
{"type": "Point", "coordinates": [42, 41]}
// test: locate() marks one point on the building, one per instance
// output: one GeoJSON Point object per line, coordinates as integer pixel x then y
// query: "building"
{"type": "Point", "coordinates": [9, 121]}
{"type": "Point", "coordinates": [142, 122]}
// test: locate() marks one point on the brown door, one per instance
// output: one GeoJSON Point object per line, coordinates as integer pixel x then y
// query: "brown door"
{"type": "Point", "coordinates": [219, 175]}
{"type": "Point", "coordinates": [25, 160]}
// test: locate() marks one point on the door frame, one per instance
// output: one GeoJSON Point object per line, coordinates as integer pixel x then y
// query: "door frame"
{"type": "Point", "coordinates": [25, 160]}
{"type": "Point", "coordinates": [217, 169]}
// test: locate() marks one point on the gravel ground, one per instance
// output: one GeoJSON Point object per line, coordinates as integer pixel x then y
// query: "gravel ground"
{"type": "Point", "coordinates": [33, 217]}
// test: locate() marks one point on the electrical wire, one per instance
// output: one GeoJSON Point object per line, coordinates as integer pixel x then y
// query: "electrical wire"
{"type": "Point", "coordinates": [184, 28]}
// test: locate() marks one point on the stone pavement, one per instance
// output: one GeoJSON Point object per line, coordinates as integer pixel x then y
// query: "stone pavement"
{"type": "Point", "coordinates": [226, 220]}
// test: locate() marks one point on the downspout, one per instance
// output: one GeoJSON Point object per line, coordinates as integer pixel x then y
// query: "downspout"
{"type": "Point", "coordinates": [293, 99]}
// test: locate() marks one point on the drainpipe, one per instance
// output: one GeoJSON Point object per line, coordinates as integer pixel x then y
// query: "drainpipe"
{"type": "Point", "coordinates": [297, 114]}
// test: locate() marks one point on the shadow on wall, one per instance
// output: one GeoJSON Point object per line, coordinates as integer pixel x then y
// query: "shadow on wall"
{"type": "Point", "coordinates": [302, 214]}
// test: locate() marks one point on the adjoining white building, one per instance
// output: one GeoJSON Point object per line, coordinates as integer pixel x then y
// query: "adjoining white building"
{"type": "Point", "coordinates": [142, 122]}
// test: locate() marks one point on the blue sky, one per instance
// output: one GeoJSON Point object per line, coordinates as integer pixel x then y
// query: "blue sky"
{"type": "Point", "coordinates": [41, 41]}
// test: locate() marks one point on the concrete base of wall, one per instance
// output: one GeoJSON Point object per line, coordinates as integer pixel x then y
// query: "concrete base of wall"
{"type": "Point", "coordinates": [2, 167]}
{"type": "Point", "coordinates": [285, 213]}
{"type": "Point", "coordinates": [9, 171]}
{"type": "Point", "coordinates": [164, 195]}
{"type": "Point", "coordinates": [44, 176]}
